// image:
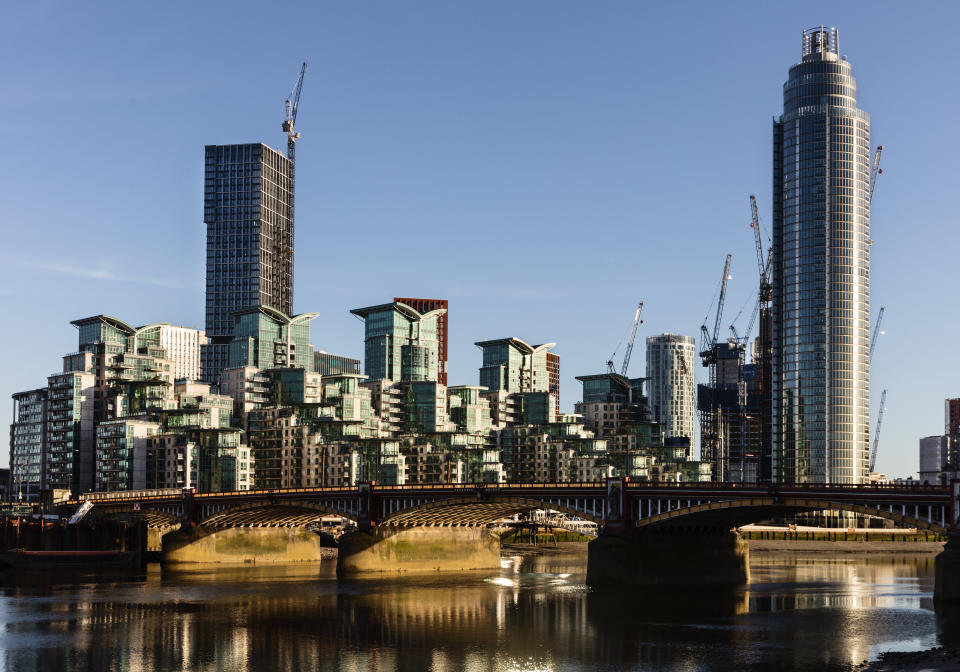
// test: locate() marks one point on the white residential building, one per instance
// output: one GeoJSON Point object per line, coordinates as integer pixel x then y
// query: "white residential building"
{"type": "Point", "coordinates": [183, 347]}
{"type": "Point", "coordinates": [671, 388]}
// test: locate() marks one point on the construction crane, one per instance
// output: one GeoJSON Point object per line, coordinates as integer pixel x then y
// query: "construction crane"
{"type": "Point", "coordinates": [765, 295]}
{"type": "Point", "coordinates": [766, 288]}
{"type": "Point", "coordinates": [876, 332]}
{"type": "Point", "coordinates": [876, 436]}
{"type": "Point", "coordinates": [710, 339]}
{"type": "Point", "coordinates": [713, 444]}
{"type": "Point", "coordinates": [629, 351]}
{"type": "Point", "coordinates": [290, 106]}
{"type": "Point", "coordinates": [875, 170]}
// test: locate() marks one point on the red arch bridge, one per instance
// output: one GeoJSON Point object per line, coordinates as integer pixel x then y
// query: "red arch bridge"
{"type": "Point", "coordinates": [614, 503]}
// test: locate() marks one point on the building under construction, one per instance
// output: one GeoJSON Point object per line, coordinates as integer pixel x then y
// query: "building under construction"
{"type": "Point", "coordinates": [734, 406]}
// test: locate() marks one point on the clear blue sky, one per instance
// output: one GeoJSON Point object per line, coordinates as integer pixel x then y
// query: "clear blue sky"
{"type": "Point", "coordinates": [543, 165]}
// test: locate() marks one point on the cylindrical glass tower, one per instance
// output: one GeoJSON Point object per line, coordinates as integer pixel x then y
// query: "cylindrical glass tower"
{"type": "Point", "coordinates": [821, 272]}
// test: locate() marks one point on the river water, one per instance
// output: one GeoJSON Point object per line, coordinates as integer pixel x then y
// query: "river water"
{"type": "Point", "coordinates": [800, 611]}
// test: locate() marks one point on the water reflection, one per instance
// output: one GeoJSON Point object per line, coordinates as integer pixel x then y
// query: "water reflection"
{"type": "Point", "coordinates": [534, 614]}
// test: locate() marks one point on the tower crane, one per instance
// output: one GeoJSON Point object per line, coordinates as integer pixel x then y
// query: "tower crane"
{"type": "Point", "coordinates": [765, 295]}
{"type": "Point", "coordinates": [629, 350]}
{"type": "Point", "coordinates": [876, 332]}
{"type": "Point", "coordinates": [876, 436]}
{"type": "Point", "coordinates": [766, 288]}
{"type": "Point", "coordinates": [710, 339]}
{"type": "Point", "coordinates": [875, 170]}
{"type": "Point", "coordinates": [290, 106]}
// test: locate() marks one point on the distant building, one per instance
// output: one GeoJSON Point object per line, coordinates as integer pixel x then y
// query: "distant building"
{"type": "Point", "coordinates": [670, 383]}
{"type": "Point", "coordinates": [122, 453]}
{"type": "Point", "coordinates": [183, 347]}
{"type": "Point", "coordinates": [400, 343]}
{"type": "Point", "coordinates": [28, 444]}
{"type": "Point", "coordinates": [938, 458]}
{"type": "Point", "coordinates": [268, 339]}
{"type": "Point", "coordinates": [248, 212]}
{"type": "Point", "coordinates": [327, 364]}
{"type": "Point", "coordinates": [513, 366]}
{"type": "Point", "coordinates": [425, 306]}
{"type": "Point", "coordinates": [952, 416]}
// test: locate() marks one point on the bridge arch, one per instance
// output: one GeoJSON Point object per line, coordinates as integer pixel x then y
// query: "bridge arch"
{"type": "Point", "coordinates": [738, 512]}
{"type": "Point", "coordinates": [271, 514]}
{"type": "Point", "coordinates": [471, 512]}
{"type": "Point", "coordinates": [155, 517]}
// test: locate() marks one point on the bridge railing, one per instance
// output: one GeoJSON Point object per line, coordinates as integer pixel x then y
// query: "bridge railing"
{"type": "Point", "coordinates": [164, 493]}
{"type": "Point", "coordinates": [688, 486]}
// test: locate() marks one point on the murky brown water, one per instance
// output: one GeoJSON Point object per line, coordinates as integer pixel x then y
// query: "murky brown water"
{"type": "Point", "coordinates": [799, 612]}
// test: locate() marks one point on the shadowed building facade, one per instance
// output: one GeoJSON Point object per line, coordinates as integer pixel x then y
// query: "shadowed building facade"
{"type": "Point", "coordinates": [821, 271]}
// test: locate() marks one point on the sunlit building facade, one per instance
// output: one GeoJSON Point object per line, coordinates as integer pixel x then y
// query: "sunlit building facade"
{"type": "Point", "coordinates": [821, 271]}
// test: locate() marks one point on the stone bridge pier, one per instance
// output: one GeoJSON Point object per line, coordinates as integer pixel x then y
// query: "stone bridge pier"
{"type": "Point", "coordinates": [669, 557]}
{"type": "Point", "coordinates": [248, 534]}
{"type": "Point", "coordinates": [204, 545]}
{"type": "Point", "coordinates": [704, 553]}
{"type": "Point", "coordinates": [390, 549]}
{"type": "Point", "coordinates": [443, 535]}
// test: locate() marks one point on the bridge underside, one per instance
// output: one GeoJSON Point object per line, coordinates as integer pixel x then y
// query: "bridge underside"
{"type": "Point", "coordinates": [472, 513]}
{"type": "Point", "coordinates": [736, 513]}
{"type": "Point", "coordinates": [154, 519]}
{"type": "Point", "coordinates": [269, 515]}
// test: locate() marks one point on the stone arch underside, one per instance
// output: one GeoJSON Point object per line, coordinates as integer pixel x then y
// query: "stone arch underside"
{"type": "Point", "coordinates": [271, 514]}
{"type": "Point", "coordinates": [471, 512]}
{"type": "Point", "coordinates": [738, 512]}
{"type": "Point", "coordinates": [155, 518]}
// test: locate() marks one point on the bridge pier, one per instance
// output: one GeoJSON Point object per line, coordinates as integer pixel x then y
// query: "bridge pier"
{"type": "Point", "coordinates": [946, 590]}
{"type": "Point", "coordinates": [416, 550]}
{"type": "Point", "coordinates": [197, 545]}
{"type": "Point", "coordinates": [669, 557]}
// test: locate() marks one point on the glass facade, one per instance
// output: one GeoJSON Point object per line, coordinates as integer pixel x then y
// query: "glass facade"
{"type": "Point", "coordinates": [400, 344]}
{"type": "Point", "coordinates": [514, 366]}
{"type": "Point", "coordinates": [821, 272]}
{"type": "Point", "coordinates": [327, 364]}
{"type": "Point", "coordinates": [268, 339]}
{"type": "Point", "coordinates": [248, 210]}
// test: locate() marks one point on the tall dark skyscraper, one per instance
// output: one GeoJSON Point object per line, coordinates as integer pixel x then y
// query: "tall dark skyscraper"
{"type": "Point", "coordinates": [248, 210]}
{"type": "Point", "coordinates": [821, 271]}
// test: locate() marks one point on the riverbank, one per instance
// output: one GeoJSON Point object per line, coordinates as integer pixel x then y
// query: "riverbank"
{"type": "Point", "coordinates": [842, 547]}
{"type": "Point", "coordinates": [544, 549]}
{"type": "Point", "coordinates": [914, 661]}
{"type": "Point", "coordinates": [760, 546]}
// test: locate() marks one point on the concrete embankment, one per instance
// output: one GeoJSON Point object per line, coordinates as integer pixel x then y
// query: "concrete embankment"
{"type": "Point", "coordinates": [416, 550]}
{"type": "Point", "coordinates": [841, 547]}
{"type": "Point", "coordinates": [241, 546]}
{"type": "Point", "coordinates": [544, 549]}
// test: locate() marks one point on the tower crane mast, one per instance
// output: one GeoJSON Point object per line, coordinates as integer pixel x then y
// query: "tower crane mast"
{"type": "Point", "coordinates": [875, 170]}
{"type": "Point", "coordinates": [633, 337]}
{"type": "Point", "coordinates": [876, 436]}
{"type": "Point", "coordinates": [876, 332]}
{"type": "Point", "coordinates": [629, 351]}
{"type": "Point", "coordinates": [710, 339]}
{"type": "Point", "coordinates": [766, 289]}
